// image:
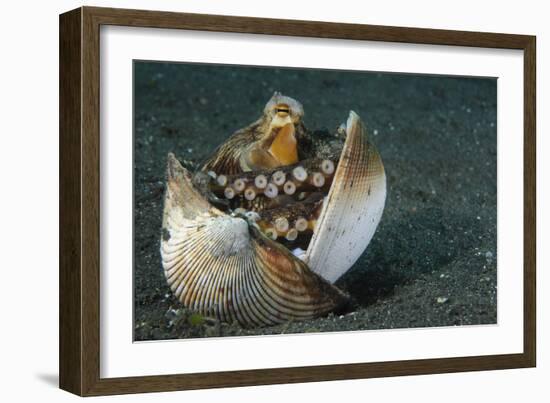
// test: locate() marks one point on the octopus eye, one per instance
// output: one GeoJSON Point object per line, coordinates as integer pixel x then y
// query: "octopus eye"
{"type": "Point", "coordinates": [282, 109]}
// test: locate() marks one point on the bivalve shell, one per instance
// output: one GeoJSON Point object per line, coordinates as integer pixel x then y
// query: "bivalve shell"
{"type": "Point", "coordinates": [223, 266]}
{"type": "Point", "coordinates": [353, 207]}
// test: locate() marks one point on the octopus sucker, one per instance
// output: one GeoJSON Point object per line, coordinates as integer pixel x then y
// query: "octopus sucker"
{"type": "Point", "coordinates": [271, 191]}
{"type": "Point", "coordinates": [278, 177]}
{"type": "Point", "coordinates": [221, 179]}
{"type": "Point", "coordinates": [327, 166]}
{"type": "Point", "coordinates": [250, 237]}
{"type": "Point", "coordinates": [271, 233]}
{"type": "Point", "coordinates": [249, 194]}
{"type": "Point", "coordinates": [289, 180]}
{"type": "Point", "coordinates": [239, 185]}
{"type": "Point", "coordinates": [299, 173]}
{"type": "Point", "coordinates": [317, 180]}
{"type": "Point", "coordinates": [289, 187]}
{"type": "Point", "coordinates": [260, 181]}
{"type": "Point", "coordinates": [301, 224]}
{"type": "Point", "coordinates": [291, 234]}
{"type": "Point", "coordinates": [229, 193]}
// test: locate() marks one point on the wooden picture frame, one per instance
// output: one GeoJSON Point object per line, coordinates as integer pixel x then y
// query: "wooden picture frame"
{"type": "Point", "coordinates": [80, 186]}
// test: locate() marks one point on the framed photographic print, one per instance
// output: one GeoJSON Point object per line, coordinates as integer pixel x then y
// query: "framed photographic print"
{"type": "Point", "coordinates": [250, 201]}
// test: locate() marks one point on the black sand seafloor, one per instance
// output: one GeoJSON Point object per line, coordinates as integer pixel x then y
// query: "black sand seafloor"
{"type": "Point", "coordinates": [432, 261]}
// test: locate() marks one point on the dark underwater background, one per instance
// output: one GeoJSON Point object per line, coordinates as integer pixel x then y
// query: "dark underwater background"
{"type": "Point", "coordinates": [432, 261]}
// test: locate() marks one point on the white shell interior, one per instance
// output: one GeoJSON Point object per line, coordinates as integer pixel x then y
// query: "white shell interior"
{"type": "Point", "coordinates": [350, 215]}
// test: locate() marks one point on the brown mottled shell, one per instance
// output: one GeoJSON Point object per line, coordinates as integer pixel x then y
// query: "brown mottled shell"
{"type": "Point", "coordinates": [223, 266]}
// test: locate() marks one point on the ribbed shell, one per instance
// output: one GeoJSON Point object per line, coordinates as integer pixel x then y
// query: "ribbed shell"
{"type": "Point", "coordinates": [353, 207]}
{"type": "Point", "coordinates": [222, 266]}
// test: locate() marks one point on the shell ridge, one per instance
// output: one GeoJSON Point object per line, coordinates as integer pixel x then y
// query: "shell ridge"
{"type": "Point", "coordinates": [264, 305]}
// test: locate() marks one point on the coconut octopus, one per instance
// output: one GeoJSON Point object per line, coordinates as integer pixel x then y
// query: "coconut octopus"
{"type": "Point", "coordinates": [266, 225]}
